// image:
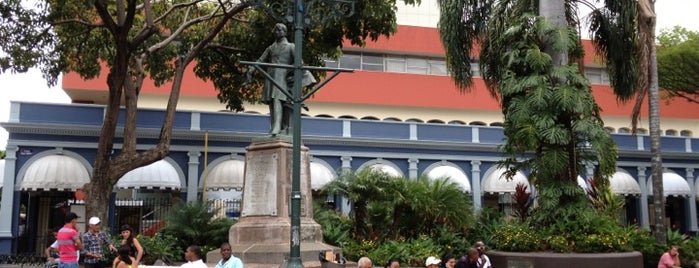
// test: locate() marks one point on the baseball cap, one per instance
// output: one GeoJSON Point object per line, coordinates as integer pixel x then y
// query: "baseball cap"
{"type": "Point", "coordinates": [94, 221]}
{"type": "Point", "coordinates": [432, 260]}
{"type": "Point", "coordinates": [71, 216]}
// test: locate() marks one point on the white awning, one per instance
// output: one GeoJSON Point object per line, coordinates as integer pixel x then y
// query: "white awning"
{"type": "Point", "coordinates": [320, 175]}
{"type": "Point", "coordinates": [673, 185]}
{"type": "Point", "coordinates": [624, 184]}
{"type": "Point", "coordinates": [496, 183]}
{"type": "Point", "coordinates": [386, 169]}
{"type": "Point", "coordinates": [582, 183]}
{"type": "Point", "coordinates": [158, 175]}
{"type": "Point", "coordinates": [453, 174]}
{"type": "Point", "coordinates": [59, 172]}
{"type": "Point", "coordinates": [226, 175]}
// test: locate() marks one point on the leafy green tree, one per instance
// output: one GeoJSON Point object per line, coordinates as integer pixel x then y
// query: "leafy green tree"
{"type": "Point", "coordinates": [527, 62]}
{"type": "Point", "coordinates": [678, 60]}
{"type": "Point", "coordinates": [156, 39]}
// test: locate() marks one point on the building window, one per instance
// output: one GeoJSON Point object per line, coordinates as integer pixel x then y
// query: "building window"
{"type": "Point", "coordinates": [642, 131]}
{"type": "Point", "coordinates": [372, 62]}
{"type": "Point", "coordinates": [350, 61]}
{"type": "Point", "coordinates": [686, 133]}
{"type": "Point", "coordinates": [609, 130]}
{"type": "Point", "coordinates": [624, 130]}
{"type": "Point", "coordinates": [670, 132]}
{"type": "Point", "coordinates": [395, 64]}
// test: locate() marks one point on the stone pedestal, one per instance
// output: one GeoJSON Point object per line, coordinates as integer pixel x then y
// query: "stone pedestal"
{"type": "Point", "coordinates": [263, 232]}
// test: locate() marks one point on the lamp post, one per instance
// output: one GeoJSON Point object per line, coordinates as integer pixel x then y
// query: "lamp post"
{"type": "Point", "coordinates": [299, 12]}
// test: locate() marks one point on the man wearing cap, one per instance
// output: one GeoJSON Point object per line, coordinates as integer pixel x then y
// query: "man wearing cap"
{"type": "Point", "coordinates": [432, 262]}
{"type": "Point", "coordinates": [69, 242]}
{"type": "Point", "coordinates": [93, 240]}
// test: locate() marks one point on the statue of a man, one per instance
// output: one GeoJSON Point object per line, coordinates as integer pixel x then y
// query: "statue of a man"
{"type": "Point", "coordinates": [280, 107]}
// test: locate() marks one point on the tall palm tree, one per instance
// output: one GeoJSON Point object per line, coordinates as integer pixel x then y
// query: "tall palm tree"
{"type": "Point", "coordinates": [622, 31]}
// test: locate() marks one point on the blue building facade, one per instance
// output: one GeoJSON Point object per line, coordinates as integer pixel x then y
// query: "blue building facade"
{"type": "Point", "coordinates": [407, 149]}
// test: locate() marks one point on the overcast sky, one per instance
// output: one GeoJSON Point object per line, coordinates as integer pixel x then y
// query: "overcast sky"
{"type": "Point", "coordinates": [31, 86]}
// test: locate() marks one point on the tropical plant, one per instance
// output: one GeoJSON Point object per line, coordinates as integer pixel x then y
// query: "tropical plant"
{"type": "Point", "coordinates": [386, 207]}
{"type": "Point", "coordinates": [531, 56]}
{"type": "Point", "coordinates": [522, 201]}
{"type": "Point", "coordinates": [193, 223]}
{"type": "Point", "coordinates": [158, 40]}
{"type": "Point", "coordinates": [160, 247]}
{"type": "Point", "coordinates": [603, 199]}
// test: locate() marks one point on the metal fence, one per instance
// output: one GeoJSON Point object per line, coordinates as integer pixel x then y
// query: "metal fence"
{"type": "Point", "coordinates": [147, 216]}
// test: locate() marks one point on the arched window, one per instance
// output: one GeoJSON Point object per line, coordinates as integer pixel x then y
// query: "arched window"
{"type": "Point", "coordinates": [370, 118]}
{"type": "Point", "coordinates": [393, 119]}
{"type": "Point", "coordinates": [642, 131]}
{"type": "Point", "coordinates": [414, 120]}
{"type": "Point", "coordinates": [624, 130]}
{"type": "Point", "coordinates": [456, 122]}
{"type": "Point", "coordinates": [346, 117]}
{"type": "Point", "coordinates": [497, 124]}
{"type": "Point", "coordinates": [686, 133]}
{"type": "Point", "coordinates": [670, 132]}
{"type": "Point", "coordinates": [478, 123]}
{"type": "Point", "coordinates": [324, 116]}
{"type": "Point", "coordinates": [435, 121]}
{"type": "Point", "coordinates": [609, 130]}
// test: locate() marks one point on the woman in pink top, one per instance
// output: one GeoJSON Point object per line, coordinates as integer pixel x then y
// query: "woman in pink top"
{"type": "Point", "coordinates": [670, 259]}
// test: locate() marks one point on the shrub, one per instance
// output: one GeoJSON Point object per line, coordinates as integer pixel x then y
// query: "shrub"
{"type": "Point", "coordinates": [515, 236]}
{"type": "Point", "coordinates": [159, 247]}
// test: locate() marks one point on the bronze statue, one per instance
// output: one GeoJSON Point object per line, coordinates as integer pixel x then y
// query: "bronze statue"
{"type": "Point", "coordinates": [280, 107]}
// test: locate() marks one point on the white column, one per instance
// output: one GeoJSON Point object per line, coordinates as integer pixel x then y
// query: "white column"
{"type": "Point", "coordinates": [8, 192]}
{"type": "Point", "coordinates": [645, 220]}
{"type": "Point", "coordinates": [193, 176]}
{"type": "Point", "coordinates": [346, 167]}
{"type": "Point", "coordinates": [412, 168]}
{"type": "Point", "coordinates": [476, 184]}
{"type": "Point", "coordinates": [691, 201]}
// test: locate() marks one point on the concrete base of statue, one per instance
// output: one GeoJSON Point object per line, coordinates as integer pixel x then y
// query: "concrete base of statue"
{"type": "Point", "coordinates": [262, 234]}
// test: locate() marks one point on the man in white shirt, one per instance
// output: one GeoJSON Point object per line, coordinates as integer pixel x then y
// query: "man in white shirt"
{"type": "Point", "coordinates": [193, 257]}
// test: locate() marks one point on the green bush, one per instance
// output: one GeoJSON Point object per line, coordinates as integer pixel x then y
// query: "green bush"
{"type": "Point", "coordinates": [159, 247]}
{"type": "Point", "coordinates": [515, 236]}
{"type": "Point", "coordinates": [193, 223]}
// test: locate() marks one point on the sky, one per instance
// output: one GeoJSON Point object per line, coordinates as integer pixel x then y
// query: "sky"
{"type": "Point", "coordinates": [32, 87]}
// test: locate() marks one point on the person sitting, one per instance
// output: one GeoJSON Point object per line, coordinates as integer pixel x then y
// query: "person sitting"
{"type": "Point", "coordinates": [124, 258]}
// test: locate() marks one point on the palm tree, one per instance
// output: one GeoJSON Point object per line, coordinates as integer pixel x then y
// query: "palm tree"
{"type": "Point", "coordinates": [622, 31]}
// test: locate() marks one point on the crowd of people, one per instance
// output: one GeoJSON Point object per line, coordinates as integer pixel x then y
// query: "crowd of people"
{"type": "Point", "coordinates": [69, 246]}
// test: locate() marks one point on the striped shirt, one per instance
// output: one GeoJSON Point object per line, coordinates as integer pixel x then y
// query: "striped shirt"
{"type": "Point", "coordinates": [66, 238]}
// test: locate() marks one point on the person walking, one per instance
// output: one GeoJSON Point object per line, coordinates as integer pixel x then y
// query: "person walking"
{"type": "Point", "coordinates": [69, 243]}
{"type": "Point", "coordinates": [93, 240]}
{"type": "Point", "coordinates": [227, 258]}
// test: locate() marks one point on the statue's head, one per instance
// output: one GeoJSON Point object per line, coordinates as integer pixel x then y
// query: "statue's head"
{"type": "Point", "coordinates": [280, 30]}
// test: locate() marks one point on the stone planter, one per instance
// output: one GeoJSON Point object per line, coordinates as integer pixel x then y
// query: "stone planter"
{"type": "Point", "coordinates": [502, 259]}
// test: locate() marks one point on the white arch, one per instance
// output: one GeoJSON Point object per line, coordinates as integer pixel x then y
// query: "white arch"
{"type": "Point", "coordinates": [383, 166]}
{"type": "Point", "coordinates": [451, 171]}
{"type": "Point", "coordinates": [161, 174]}
{"type": "Point", "coordinates": [321, 173]}
{"type": "Point", "coordinates": [70, 176]}
{"type": "Point", "coordinates": [495, 182]}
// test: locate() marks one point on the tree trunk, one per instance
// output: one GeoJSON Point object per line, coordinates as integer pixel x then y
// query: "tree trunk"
{"type": "Point", "coordinates": [647, 33]}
